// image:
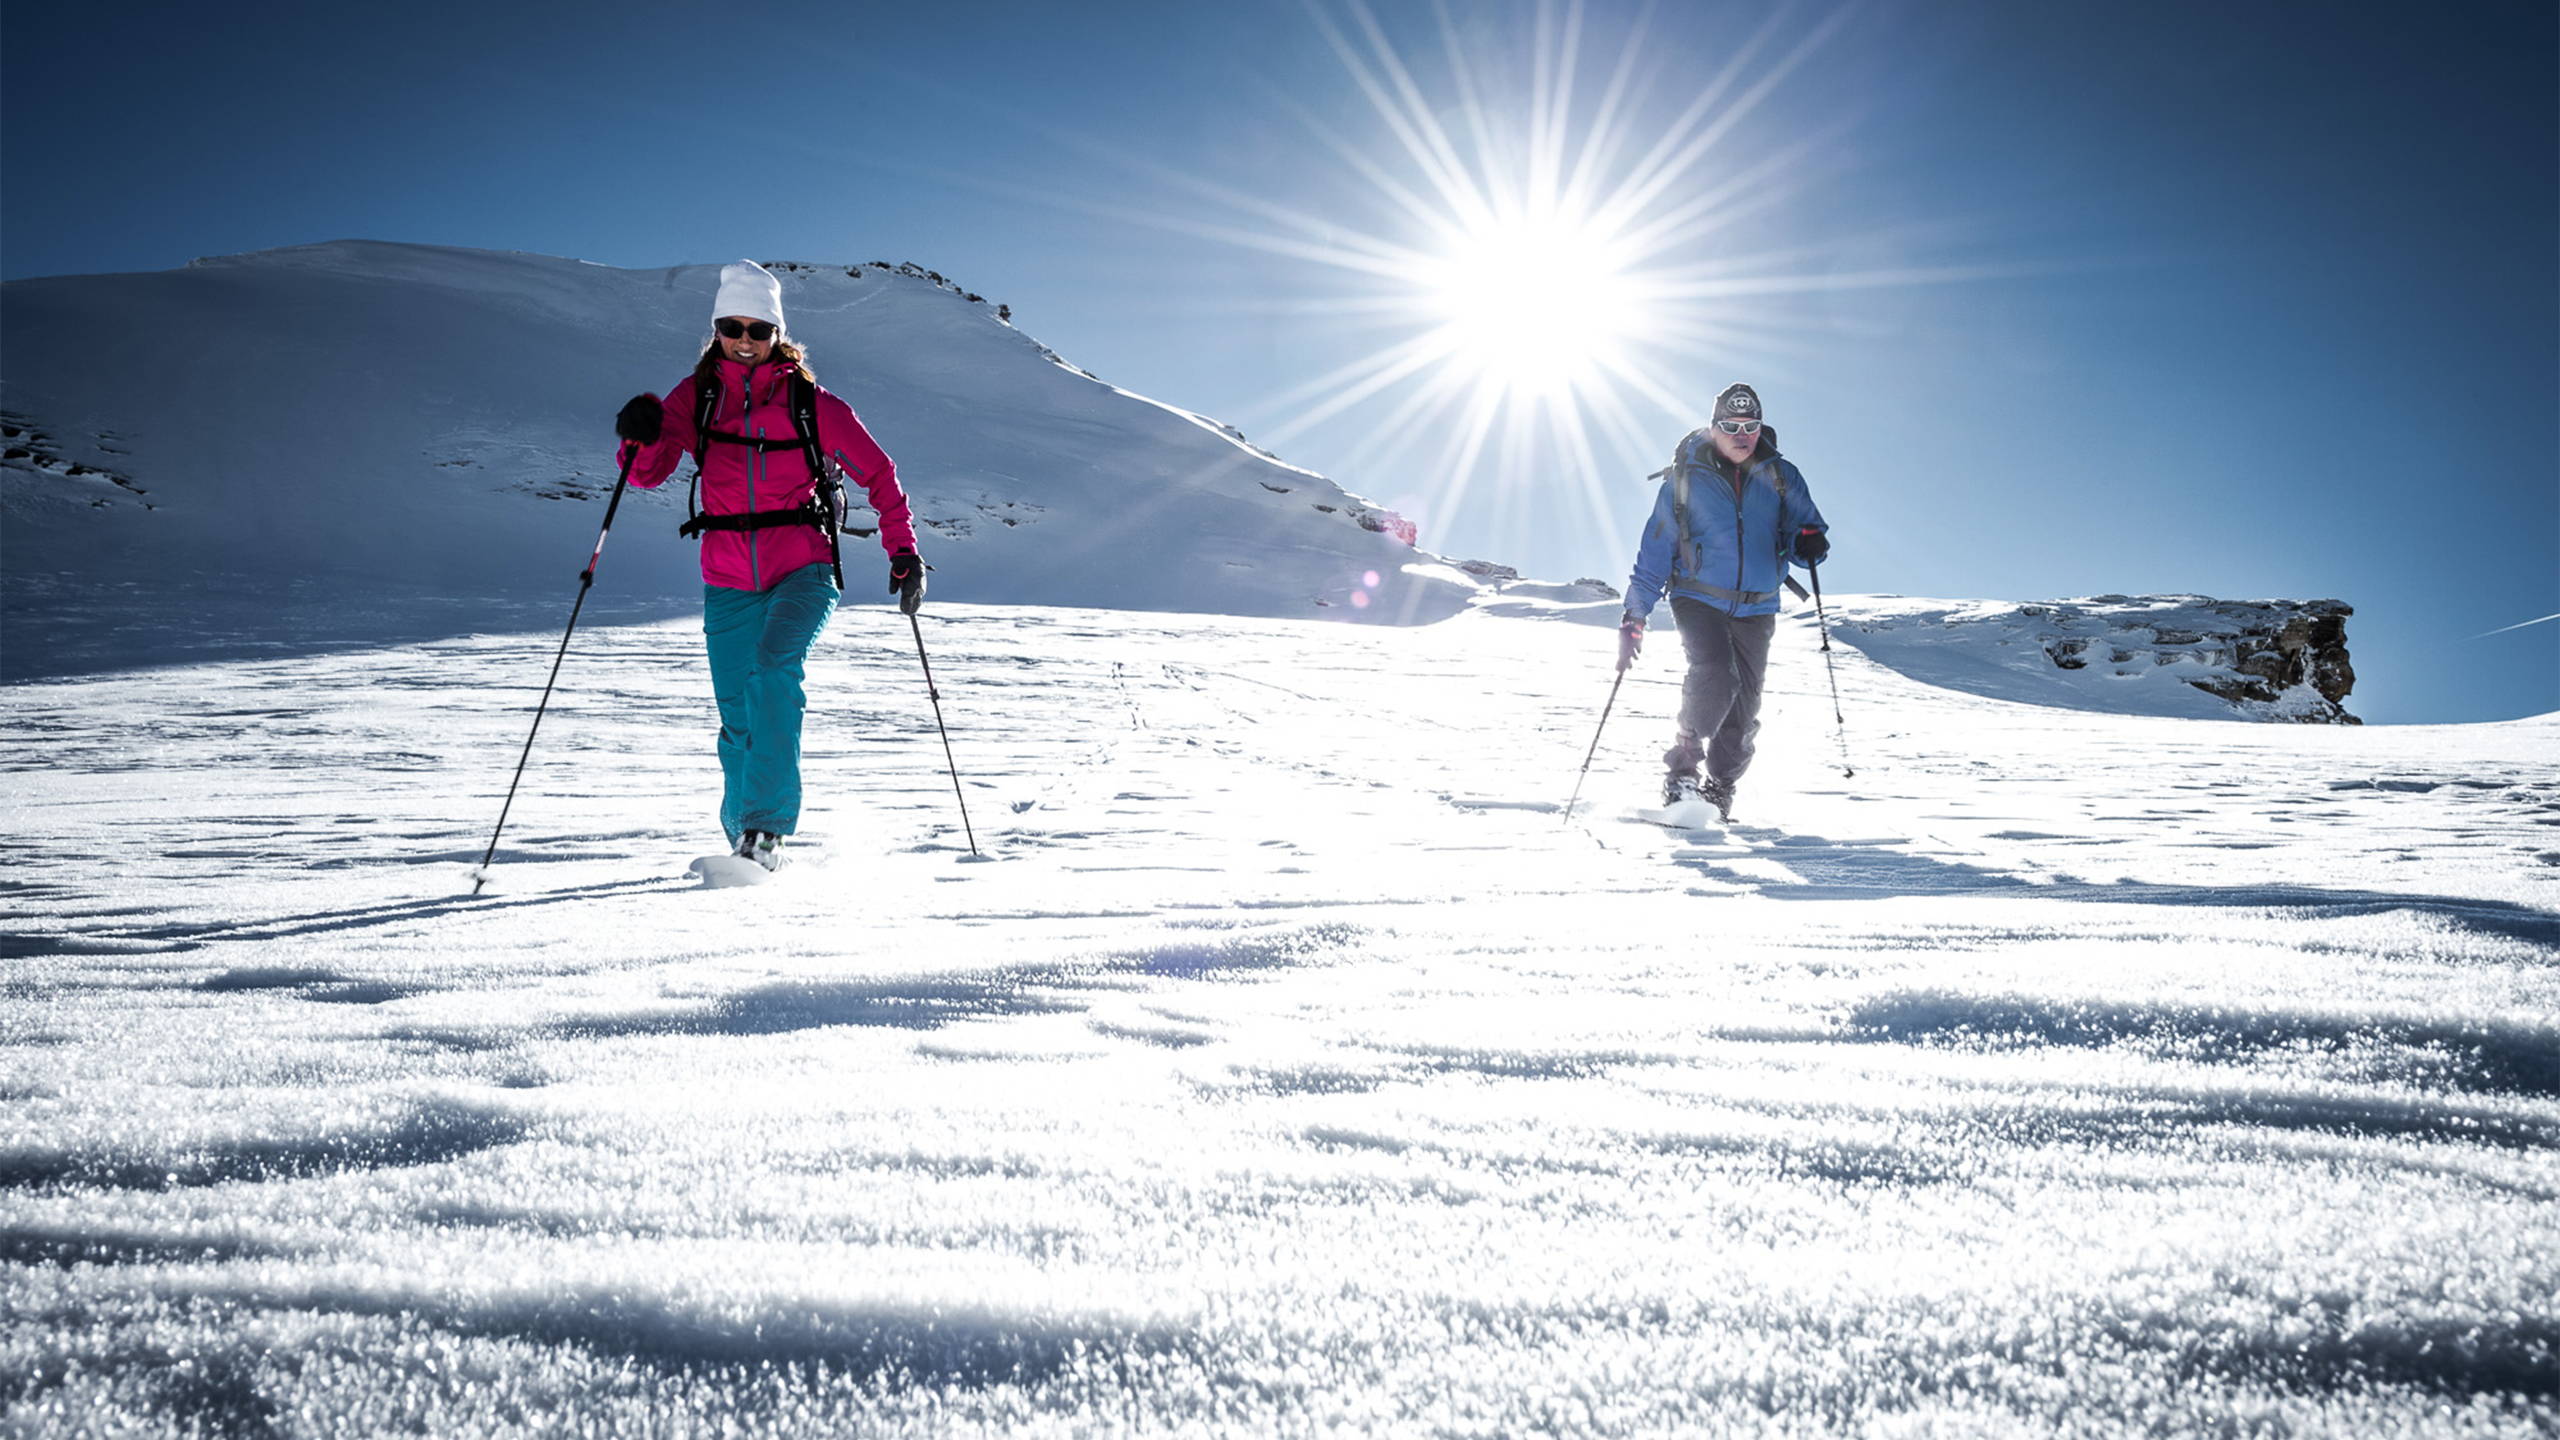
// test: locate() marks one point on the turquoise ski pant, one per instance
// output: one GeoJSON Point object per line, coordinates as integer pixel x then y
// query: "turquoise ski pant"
{"type": "Point", "coordinates": [759, 641]}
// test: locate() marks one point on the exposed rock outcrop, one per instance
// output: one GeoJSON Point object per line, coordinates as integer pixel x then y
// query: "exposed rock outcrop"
{"type": "Point", "coordinates": [2278, 659]}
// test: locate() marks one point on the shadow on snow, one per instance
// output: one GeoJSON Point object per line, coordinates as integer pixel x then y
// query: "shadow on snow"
{"type": "Point", "coordinates": [1837, 871]}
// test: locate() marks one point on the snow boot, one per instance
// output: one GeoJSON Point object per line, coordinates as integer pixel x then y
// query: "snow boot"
{"type": "Point", "coordinates": [763, 847]}
{"type": "Point", "coordinates": [1719, 793]}
{"type": "Point", "coordinates": [1682, 760]}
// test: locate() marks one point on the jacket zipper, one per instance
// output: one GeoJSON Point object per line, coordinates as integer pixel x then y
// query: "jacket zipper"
{"type": "Point", "coordinates": [1741, 487]}
{"type": "Point", "coordinates": [755, 458]}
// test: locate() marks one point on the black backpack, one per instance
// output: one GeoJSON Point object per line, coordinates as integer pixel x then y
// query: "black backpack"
{"type": "Point", "coordinates": [825, 506]}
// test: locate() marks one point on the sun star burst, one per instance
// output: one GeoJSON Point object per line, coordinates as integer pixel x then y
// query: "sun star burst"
{"type": "Point", "coordinates": [1534, 304]}
{"type": "Point", "coordinates": [1553, 278]}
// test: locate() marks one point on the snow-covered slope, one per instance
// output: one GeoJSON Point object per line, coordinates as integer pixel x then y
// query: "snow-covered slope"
{"type": "Point", "coordinates": [397, 441]}
{"type": "Point", "coordinates": [1296, 1069]}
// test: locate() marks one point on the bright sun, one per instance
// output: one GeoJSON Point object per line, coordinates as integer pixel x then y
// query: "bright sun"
{"type": "Point", "coordinates": [1534, 304]}
{"type": "Point", "coordinates": [1552, 289]}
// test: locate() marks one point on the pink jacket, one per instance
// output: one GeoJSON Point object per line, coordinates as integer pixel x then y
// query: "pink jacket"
{"type": "Point", "coordinates": [739, 478]}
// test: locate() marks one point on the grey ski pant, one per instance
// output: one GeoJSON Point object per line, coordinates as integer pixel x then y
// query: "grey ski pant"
{"type": "Point", "coordinates": [1720, 697]}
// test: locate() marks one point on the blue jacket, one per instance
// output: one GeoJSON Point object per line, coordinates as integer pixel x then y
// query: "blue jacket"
{"type": "Point", "coordinates": [1739, 546]}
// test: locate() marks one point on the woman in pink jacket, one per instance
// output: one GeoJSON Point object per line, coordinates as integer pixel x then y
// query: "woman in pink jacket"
{"type": "Point", "coordinates": [767, 518]}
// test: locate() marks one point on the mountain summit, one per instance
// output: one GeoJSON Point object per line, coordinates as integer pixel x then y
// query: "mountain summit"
{"type": "Point", "coordinates": [373, 421]}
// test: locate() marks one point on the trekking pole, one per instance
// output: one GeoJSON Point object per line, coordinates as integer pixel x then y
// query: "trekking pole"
{"type": "Point", "coordinates": [1821, 620]}
{"type": "Point", "coordinates": [1595, 743]}
{"type": "Point", "coordinates": [936, 696]}
{"type": "Point", "coordinates": [586, 579]}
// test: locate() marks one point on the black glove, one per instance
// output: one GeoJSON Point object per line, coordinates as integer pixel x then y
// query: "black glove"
{"type": "Point", "coordinates": [906, 580]}
{"type": "Point", "coordinates": [641, 420]}
{"type": "Point", "coordinates": [1812, 545]}
{"type": "Point", "coordinates": [1630, 639]}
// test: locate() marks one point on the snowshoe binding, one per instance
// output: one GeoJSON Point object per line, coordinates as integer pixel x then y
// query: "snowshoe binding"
{"type": "Point", "coordinates": [762, 847]}
{"type": "Point", "coordinates": [1719, 793]}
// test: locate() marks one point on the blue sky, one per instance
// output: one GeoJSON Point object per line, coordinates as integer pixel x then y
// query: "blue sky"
{"type": "Point", "coordinates": [2045, 299]}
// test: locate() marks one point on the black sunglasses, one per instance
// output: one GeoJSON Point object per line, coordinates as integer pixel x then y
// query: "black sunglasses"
{"type": "Point", "coordinates": [756, 330]}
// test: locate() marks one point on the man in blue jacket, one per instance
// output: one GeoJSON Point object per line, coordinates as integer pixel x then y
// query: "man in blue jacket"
{"type": "Point", "coordinates": [1732, 513]}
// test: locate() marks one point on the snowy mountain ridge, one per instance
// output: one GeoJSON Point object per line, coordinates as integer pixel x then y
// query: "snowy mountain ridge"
{"type": "Point", "coordinates": [354, 443]}
{"type": "Point", "coordinates": [406, 421]}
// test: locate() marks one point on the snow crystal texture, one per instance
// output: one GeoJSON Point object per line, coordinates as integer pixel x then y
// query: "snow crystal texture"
{"type": "Point", "coordinates": [1295, 1068]}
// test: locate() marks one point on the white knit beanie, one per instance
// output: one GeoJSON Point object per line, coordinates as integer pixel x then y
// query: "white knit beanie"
{"type": "Point", "coordinates": [748, 289]}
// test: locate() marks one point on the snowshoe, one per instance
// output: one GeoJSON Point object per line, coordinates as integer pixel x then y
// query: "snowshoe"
{"type": "Point", "coordinates": [1684, 804]}
{"type": "Point", "coordinates": [757, 856]}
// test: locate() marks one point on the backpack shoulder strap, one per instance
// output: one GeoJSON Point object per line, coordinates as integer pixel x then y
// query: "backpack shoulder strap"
{"type": "Point", "coordinates": [829, 494]}
{"type": "Point", "coordinates": [1684, 561]}
{"type": "Point", "coordinates": [804, 418]}
{"type": "Point", "coordinates": [706, 403]}
{"type": "Point", "coordinates": [1786, 542]}
{"type": "Point", "coordinates": [1680, 517]}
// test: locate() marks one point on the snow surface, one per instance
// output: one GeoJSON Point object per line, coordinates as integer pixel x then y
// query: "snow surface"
{"type": "Point", "coordinates": [1296, 1068]}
